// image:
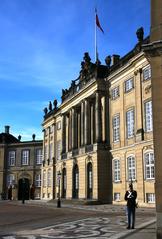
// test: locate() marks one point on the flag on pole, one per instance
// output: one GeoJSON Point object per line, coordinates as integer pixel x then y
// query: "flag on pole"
{"type": "Point", "coordinates": [98, 22]}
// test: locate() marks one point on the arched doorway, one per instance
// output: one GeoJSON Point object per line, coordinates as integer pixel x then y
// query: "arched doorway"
{"type": "Point", "coordinates": [64, 183]}
{"type": "Point", "coordinates": [23, 189]}
{"type": "Point", "coordinates": [75, 181]}
{"type": "Point", "coordinates": [89, 181]}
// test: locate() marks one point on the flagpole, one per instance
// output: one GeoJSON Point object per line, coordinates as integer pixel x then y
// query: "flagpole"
{"type": "Point", "coordinates": [95, 36]}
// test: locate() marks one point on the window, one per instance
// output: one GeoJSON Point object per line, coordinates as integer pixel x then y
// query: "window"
{"type": "Point", "coordinates": [49, 178]}
{"type": "Point", "coordinates": [11, 158]}
{"type": "Point", "coordinates": [25, 157]}
{"type": "Point", "coordinates": [148, 116]}
{"type": "Point", "coordinates": [149, 166]}
{"type": "Point", "coordinates": [116, 196]}
{"type": "Point", "coordinates": [10, 180]}
{"type": "Point", "coordinates": [147, 73]}
{"type": "Point", "coordinates": [39, 156]}
{"type": "Point", "coordinates": [51, 152]}
{"type": "Point", "coordinates": [44, 178]}
{"type": "Point", "coordinates": [38, 180]}
{"type": "Point", "coordinates": [116, 128]}
{"type": "Point", "coordinates": [115, 93]}
{"type": "Point", "coordinates": [58, 150]}
{"type": "Point", "coordinates": [150, 197]}
{"type": "Point", "coordinates": [131, 168]}
{"type": "Point", "coordinates": [130, 123]}
{"type": "Point", "coordinates": [116, 170]}
{"type": "Point", "coordinates": [58, 125]}
{"type": "Point", "coordinates": [128, 85]}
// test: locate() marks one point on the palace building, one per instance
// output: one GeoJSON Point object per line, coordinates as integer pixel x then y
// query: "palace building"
{"type": "Point", "coordinates": [100, 138]}
{"type": "Point", "coordinates": [20, 167]}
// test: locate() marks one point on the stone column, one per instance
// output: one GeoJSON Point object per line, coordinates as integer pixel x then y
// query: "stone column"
{"type": "Point", "coordinates": [98, 118]}
{"type": "Point", "coordinates": [70, 130]}
{"type": "Point", "coordinates": [73, 128]}
{"type": "Point", "coordinates": [139, 105]}
{"type": "Point", "coordinates": [154, 54]}
{"type": "Point", "coordinates": [67, 133]}
{"type": "Point", "coordinates": [82, 123]}
{"type": "Point", "coordinates": [63, 133]}
{"type": "Point", "coordinates": [79, 129]}
{"type": "Point", "coordinates": [92, 123]}
{"type": "Point", "coordinates": [107, 120]}
{"type": "Point", "coordinates": [86, 123]}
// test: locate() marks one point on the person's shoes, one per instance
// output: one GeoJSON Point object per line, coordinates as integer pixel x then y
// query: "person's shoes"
{"type": "Point", "coordinates": [132, 227]}
{"type": "Point", "coordinates": [128, 227]}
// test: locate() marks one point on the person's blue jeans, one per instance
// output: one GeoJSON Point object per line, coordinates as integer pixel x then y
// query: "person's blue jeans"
{"type": "Point", "coordinates": [131, 216]}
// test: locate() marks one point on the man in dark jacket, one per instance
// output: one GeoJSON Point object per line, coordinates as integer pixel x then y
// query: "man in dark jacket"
{"type": "Point", "coordinates": [130, 197]}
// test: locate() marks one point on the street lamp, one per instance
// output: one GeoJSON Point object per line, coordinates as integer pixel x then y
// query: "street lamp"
{"type": "Point", "coordinates": [58, 195]}
{"type": "Point", "coordinates": [23, 190]}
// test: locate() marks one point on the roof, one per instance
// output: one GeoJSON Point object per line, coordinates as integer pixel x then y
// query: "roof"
{"type": "Point", "coordinates": [7, 138]}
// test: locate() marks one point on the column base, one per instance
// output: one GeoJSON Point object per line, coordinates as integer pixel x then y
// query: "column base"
{"type": "Point", "coordinates": [159, 225]}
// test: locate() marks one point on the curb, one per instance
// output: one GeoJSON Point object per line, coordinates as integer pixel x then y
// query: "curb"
{"type": "Point", "coordinates": [123, 235]}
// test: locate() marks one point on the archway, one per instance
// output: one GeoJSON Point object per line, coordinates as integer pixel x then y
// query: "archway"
{"type": "Point", "coordinates": [23, 189]}
{"type": "Point", "coordinates": [89, 181]}
{"type": "Point", "coordinates": [64, 183]}
{"type": "Point", "coordinates": [75, 181]}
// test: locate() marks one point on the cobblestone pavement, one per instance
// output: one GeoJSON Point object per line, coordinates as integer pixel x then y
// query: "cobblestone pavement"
{"type": "Point", "coordinates": [107, 221]}
{"type": "Point", "coordinates": [91, 228]}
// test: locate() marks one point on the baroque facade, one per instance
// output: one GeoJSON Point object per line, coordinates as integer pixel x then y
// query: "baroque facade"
{"type": "Point", "coordinates": [20, 167]}
{"type": "Point", "coordinates": [100, 138]}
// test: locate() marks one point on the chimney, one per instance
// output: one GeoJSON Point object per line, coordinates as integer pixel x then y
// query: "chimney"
{"type": "Point", "coordinates": [115, 59]}
{"type": "Point", "coordinates": [7, 129]}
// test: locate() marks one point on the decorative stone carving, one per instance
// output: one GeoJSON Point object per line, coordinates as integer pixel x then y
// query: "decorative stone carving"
{"type": "Point", "coordinates": [55, 103]}
{"type": "Point", "coordinates": [148, 89]}
{"type": "Point", "coordinates": [19, 137]}
{"type": "Point", "coordinates": [108, 60]}
{"type": "Point", "coordinates": [140, 34]}
{"type": "Point", "coordinates": [45, 110]}
{"type": "Point", "coordinates": [89, 158]}
{"type": "Point", "coordinates": [33, 137]}
{"type": "Point", "coordinates": [50, 106]}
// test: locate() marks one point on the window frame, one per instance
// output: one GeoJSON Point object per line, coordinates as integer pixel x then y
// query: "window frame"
{"type": "Point", "coordinates": [146, 73]}
{"type": "Point", "coordinates": [39, 156]}
{"type": "Point", "coordinates": [130, 125]}
{"type": "Point", "coordinates": [131, 170]}
{"type": "Point", "coordinates": [11, 159]}
{"type": "Point", "coordinates": [116, 128]}
{"type": "Point", "coordinates": [148, 116]}
{"type": "Point", "coordinates": [25, 158]}
{"type": "Point", "coordinates": [115, 93]}
{"type": "Point", "coordinates": [116, 170]}
{"type": "Point", "coordinates": [150, 167]}
{"type": "Point", "coordinates": [130, 82]}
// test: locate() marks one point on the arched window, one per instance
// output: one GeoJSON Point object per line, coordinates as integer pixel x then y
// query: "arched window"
{"type": "Point", "coordinates": [149, 165]}
{"type": "Point", "coordinates": [64, 182]}
{"type": "Point", "coordinates": [75, 181]}
{"type": "Point", "coordinates": [89, 180]}
{"type": "Point", "coordinates": [131, 168]}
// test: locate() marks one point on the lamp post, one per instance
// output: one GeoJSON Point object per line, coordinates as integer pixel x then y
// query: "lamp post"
{"type": "Point", "coordinates": [23, 190]}
{"type": "Point", "coordinates": [58, 196]}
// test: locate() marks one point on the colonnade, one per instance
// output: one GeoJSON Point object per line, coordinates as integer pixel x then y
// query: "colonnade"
{"type": "Point", "coordinates": [83, 124]}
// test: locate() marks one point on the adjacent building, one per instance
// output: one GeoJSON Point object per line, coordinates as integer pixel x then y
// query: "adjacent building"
{"type": "Point", "coordinates": [100, 138]}
{"type": "Point", "coordinates": [20, 167]}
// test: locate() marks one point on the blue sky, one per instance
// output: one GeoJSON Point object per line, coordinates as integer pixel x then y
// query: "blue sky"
{"type": "Point", "coordinates": [42, 44]}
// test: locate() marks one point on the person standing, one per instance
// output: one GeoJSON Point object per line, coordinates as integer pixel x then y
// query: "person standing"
{"type": "Point", "coordinates": [130, 197]}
